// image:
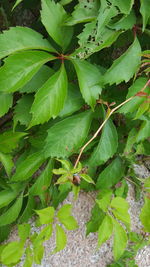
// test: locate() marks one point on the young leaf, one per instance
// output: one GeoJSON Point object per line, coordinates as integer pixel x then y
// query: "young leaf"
{"type": "Point", "coordinates": [104, 202]}
{"type": "Point", "coordinates": [105, 230]}
{"type": "Point", "coordinates": [6, 101]}
{"type": "Point", "coordinates": [107, 145]}
{"type": "Point", "coordinates": [59, 171]}
{"type": "Point", "coordinates": [68, 135]}
{"type": "Point", "coordinates": [46, 215]}
{"type": "Point", "coordinates": [24, 231]}
{"type": "Point", "coordinates": [120, 240]}
{"type": "Point", "coordinates": [87, 178]}
{"type": "Point", "coordinates": [12, 213]}
{"type": "Point", "coordinates": [37, 80]}
{"type": "Point", "coordinates": [53, 17]}
{"type": "Point", "coordinates": [145, 215]}
{"type": "Point", "coordinates": [50, 98]}
{"type": "Point", "coordinates": [43, 181]}
{"type": "Point", "coordinates": [61, 239]}
{"type": "Point", "coordinates": [12, 253]}
{"type": "Point", "coordinates": [7, 162]}
{"type": "Point", "coordinates": [19, 68]}
{"type": "Point", "coordinates": [120, 210]}
{"type": "Point", "coordinates": [111, 174]}
{"type": "Point", "coordinates": [145, 11]}
{"type": "Point", "coordinates": [66, 164]}
{"type": "Point", "coordinates": [89, 78]}
{"type": "Point", "coordinates": [22, 38]}
{"type": "Point", "coordinates": [9, 140]}
{"type": "Point", "coordinates": [123, 68]}
{"type": "Point", "coordinates": [21, 111]}
{"type": "Point", "coordinates": [28, 167]}
{"type": "Point", "coordinates": [64, 216]}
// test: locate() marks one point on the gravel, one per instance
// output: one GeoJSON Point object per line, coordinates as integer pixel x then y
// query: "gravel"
{"type": "Point", "coordinates": [81, 251]}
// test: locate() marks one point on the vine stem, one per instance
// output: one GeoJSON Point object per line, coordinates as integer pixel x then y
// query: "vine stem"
{"type": "Point", "coordinates": [104, 122]}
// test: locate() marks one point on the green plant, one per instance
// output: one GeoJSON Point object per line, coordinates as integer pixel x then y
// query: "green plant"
{"type": "Point", "coordinates": [58, 94]}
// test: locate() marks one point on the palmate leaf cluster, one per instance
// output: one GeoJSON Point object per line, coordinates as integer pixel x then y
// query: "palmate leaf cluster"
{"type": "Point", "coordinates": [58, 88]}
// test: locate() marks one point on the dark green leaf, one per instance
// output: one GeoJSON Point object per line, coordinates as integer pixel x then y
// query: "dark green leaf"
{"type": "Point", "coordinates": [50, 98]}
{"type": "Point", "coordinates": [111, 174]}
{"type": "Point", "coordinates": [19, 68]}
{"type": "Point", "coordinates": [107, 145]}
{"type": "Point", "coordinates": [6, 101]}
{"type": "Point", "coordinates": [9, 140]}
{"type": "Point", "coordinates": [66, 136]}
{"type": "Point", "coordinates": [43, 181]}
{"type": "Point", "coordinates": [28, 167]}
{"type": "Point", "coordinates": [12, 213]}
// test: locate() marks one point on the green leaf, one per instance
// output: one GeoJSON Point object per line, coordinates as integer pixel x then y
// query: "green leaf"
{"type": "Point", "coordinates": [64, 216]}
{"type": "Point", "coordinates": [96, 219]}
{"type": "Point", "coordinates": [29, 258]}
{"type": "Point", "coordinates": [22, 38]}
{"type": "Point", "coordinates": [125, 23]}
{"type": "Point", "coordinates": [89, 79]}
{"type": "Point", "coordinates": [84, 11]}
{"type": "Point", "coordinates": [28, 211]}
{"type": "Point", "coordinates": [61, 239]}
{"type": "Point", "coordinates": [12, 213]}
{"type": "Point", "coordinates": [120, 210]}
{"type": "Point", "coordinates": [66, 136]}
{"type": "Point", "coordinates": [107, 145]}
{"type": "Point", "coordinates": [4, 234]}
{"type": "Point", "coordinates": [105, 230]}
{"type": "Point", "coordinates": [130, 141]}
{"type": "Point", "coordinates": [53, 16]}
{"type": "Point", "coordinates": [6, 101]}
{"type": "Point", "coordinates": [87, 178]}
{"type": "Point", "coordinates": [6, 196]}
{"type": "Point", "coordinates": [124, 6]}
{"type": "Point", "coordinates": [12, 253]}
{"type": "Point", "coordinates": [145, 215]}
{"type": "Point", "coordinates": [104, 202]}
{"type": "Point", "coordinates": [37, 80]}
{"type": "Point", "coordinates": [28, 167]}
{"type": "Point", "coordinates": [73, 102]}
{"type": "Point", "coordinates": [144, 131]}
{"type": "Point", "coordinates": [17, 3]}
{"type": "Point", "coordinates": [38, 253]}
{"type": "Point", "coordinates": [66, 164]}
{"type": "Point", "coordinates": [21, 110]}
{"type": "Point", "coordinates": [59, 171]}
{"type": "Point", "coordinates": [19, 68]}
{"type": "Point", "coordinates": [24, 231]}
{"type": "Point", "coordinates": [111, 174]}
{"type": "Point", "coordinates": [137, 87]}
{"type": "Point", "coordinates": [7, 162]}
{"type": "Point", "coordinates": [87, 46]}
{"type": "Point", "coordinates": [62, 179]}
{"type": "Point", "coordinates": [9, 140]}
{"type": "Point", "coordinates": [46, 215]}
{"type": "Point", "coordinates": [120, 240]}
{"type": "Point", "coordinates": [45, 234]}
{"type": "Point", "coordinates": [50, 98]}
{"type": "Point", "coordinates": [145, 11]}
{"type": "Point", "coordinates": [43, 181]}
{"type": "Point", "coordinates": [123, 68]}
